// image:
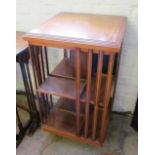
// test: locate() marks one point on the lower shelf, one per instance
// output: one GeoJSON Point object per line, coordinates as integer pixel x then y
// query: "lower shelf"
{"type": "Point", "coordinates": [64, 69]}
{"type": "Point", "coordinates": [62, 121]}
{"type": "Point", "coordinates": [69, 106]}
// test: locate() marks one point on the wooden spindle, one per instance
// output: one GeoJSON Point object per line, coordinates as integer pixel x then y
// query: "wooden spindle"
{"type": "Point", "coordinates": [30, 48]}
{"type": "Point", "coordinates": [97, 92]}
{"type": "Point", "coordinates": [106, 97]}
{"type": "Point", "coordinates": [44, 106]}
{"type": "Point", "coordinates": [41, 113]}
{"type": "Point", "coordinates": [47, 103]}
{"type": "Point", "coordinates": [30, 87]}
{"type": "Point", "coordinates": [65, 53]}
{"type": "Point", "coordinates": [36, 56]}
{"type": "Point", "coordinates": [22, 66]}
{"type": "Point", "coordinates": [43, 69]}
{"type": "Point", "coordinates": [42, 63]}
{"type": "Point", "coordinates": [88, 92]}
{"type": "Point", "coordinates": [39, 62]}
{"type": "Point", "coordinates": [51, 101]}
{"type": "Point", "coordinates": [46, 60]}
{"type": "Point", "coordinates": [78, 91]}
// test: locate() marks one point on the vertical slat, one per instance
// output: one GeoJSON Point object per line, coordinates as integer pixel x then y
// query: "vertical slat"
{"type": "Point", "coordinates": [65, 53]}
{"type": "Point", "coordinates": [46, 60]}
{"type": "Point", "coordinates": [88, 92]}
{"type": "Point", "coordinates": [43, 69]}
{"type": "Point", "coordinates": [40, 107]}
{"type": "Point", "coordinates": [26, 86]}
{"type": "Point", "coordinates": [44, 107]}
{"type": "Point", "coordinates": [116, 75]}
{"type": "Point", "coordinates": [36, 57]}
{"type": "Point", "coordinates": [33, 55]}
{"type": "Point", "coordinates": [106, 97]}
{"type": "Point", "coordinates": [115, 79]}
{"type": "Point", "coordinates": [31, 51]}
{"type": "Point", "coordinates": [47, 103]}
{"type": "Point", "coordinates": [51, 101]}
{"type": "Point", "coordinates": [26, 83]}
{"type": "Point", "coordinates": [78, 91]}
{"type": "Point", "coordinates": [39, 62]}
{"type": "Point", "coordinates": [42, 63]}
{"type": "Point", "coordinates": [29, 82]}
{"type": "Point", "coordinates": [97, 94]}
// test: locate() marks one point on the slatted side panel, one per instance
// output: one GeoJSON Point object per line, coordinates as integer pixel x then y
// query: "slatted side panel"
{"type": "Point", "coordinates": [41, 71]}
{"type": "Point", "coordinates": [45, 105]}
{"type": "Point", "coordinates": [45, 72]}
{"type": "Point", "coordinates": [39, 57]}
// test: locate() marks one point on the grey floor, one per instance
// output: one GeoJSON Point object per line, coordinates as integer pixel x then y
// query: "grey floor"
{"type": "Point", "coordinates": [121, 140]}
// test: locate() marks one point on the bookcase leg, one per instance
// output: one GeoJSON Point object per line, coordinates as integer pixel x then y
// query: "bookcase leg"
{"type": "Point", "coordinates": [106, 97]}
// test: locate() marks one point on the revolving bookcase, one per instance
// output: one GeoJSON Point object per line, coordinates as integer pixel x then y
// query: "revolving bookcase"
{"type": "Point", "coordinates": [86, 93]}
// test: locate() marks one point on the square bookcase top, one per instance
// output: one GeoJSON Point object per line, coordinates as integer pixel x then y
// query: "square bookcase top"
{"type": "Point", "coordinates": [91, 31]}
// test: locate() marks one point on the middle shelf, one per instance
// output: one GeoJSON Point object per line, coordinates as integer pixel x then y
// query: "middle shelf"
{"type": "Point", "coordinates": [66, 88]}
{"type": "Point", "coordinates": [59, 86]}
{"type": "Point", "coordinates": [62, 117]}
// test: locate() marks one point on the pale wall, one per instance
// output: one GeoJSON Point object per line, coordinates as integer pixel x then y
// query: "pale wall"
{"type": "Point", "coordinates": [31, 13]}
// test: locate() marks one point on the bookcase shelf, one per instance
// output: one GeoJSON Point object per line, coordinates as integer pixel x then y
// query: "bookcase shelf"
{"type": "Point", "coordinates": [62, 121]}
{"type": "Point", "coordinates": [102, 90]}
{"type": "Point", "coordinates": [64, 69]}
{"type": "Point", "coordinates": [59, 86]}
{"type": "Point", "coordinates": [63, 116]}
{"type": "Point", "coordinates": [67, 105]}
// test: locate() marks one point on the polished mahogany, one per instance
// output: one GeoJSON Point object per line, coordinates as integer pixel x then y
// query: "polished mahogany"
{"type": "Point", "coordinates": [86, 94]}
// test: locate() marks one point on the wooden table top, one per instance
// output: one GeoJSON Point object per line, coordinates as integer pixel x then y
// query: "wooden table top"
{"type": "Point", "coordinates": [103, 32]}
{"type": "Point", "coordinates": [21, 44]}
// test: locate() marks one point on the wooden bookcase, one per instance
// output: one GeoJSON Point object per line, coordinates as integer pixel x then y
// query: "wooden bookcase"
{"type": "Point", "coordinates": [86, 96]}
